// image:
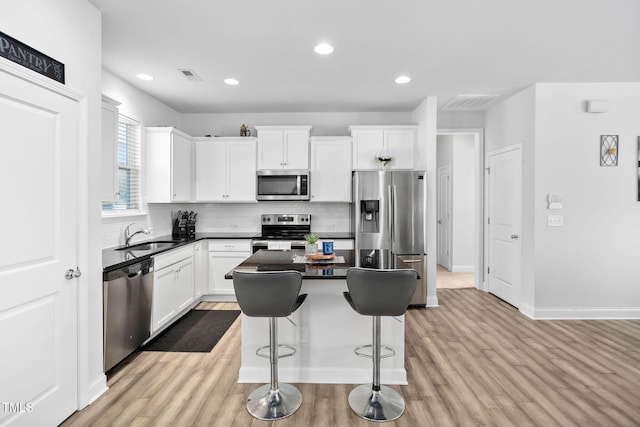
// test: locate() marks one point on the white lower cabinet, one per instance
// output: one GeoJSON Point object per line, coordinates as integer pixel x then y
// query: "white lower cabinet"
{"type": "Point", "coordinates": [173, 285]}
{"type": "Point", "coordinates": [224, 255]}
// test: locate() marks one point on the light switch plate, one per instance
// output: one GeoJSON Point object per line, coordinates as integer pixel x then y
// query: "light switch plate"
{"type": "Point", "coordinates": [555, 220]}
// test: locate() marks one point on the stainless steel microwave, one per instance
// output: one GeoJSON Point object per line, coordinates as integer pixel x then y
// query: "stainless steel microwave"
{"type": "Point", "coordinates": [283, 184]}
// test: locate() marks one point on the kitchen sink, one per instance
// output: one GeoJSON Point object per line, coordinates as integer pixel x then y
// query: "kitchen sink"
{"type": "Point", "coordinates": [149, 246]}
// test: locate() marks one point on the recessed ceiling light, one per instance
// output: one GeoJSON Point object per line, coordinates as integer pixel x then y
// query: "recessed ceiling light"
{"type": "Point", "coordinates": [403, 79]}
{"type": "Point", "coordinates": [145, 77]}
{"type": "Point", "coordinates": [323, 49]}
{"type": "Point", "coordinates": [231, 82]}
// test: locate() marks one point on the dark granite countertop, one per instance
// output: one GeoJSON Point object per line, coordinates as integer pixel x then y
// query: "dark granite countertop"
{"type": "Point", "coordinates": [112, 258]}
{"type": "Point", "coordinates": [274, 260]}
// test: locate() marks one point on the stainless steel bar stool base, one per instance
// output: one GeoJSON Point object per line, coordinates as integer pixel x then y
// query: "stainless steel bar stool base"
{"type": "Point", "coordinates": [378, 406]}
{"type": "Point", "coordinates": [267, 404]}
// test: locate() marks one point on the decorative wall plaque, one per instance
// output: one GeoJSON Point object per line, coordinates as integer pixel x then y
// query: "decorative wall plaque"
{"type": "Point", "coordinates": [30, 58]}
{"type": "Point", "coordinates": [608, 150]}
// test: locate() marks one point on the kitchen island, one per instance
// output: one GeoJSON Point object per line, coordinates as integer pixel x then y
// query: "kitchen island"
{"type": "Point", "coordinates": [326, 330]}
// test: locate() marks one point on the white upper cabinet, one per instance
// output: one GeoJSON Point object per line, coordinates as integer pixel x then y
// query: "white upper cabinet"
{"type": "Point", "coordinates": [225, 169]}
{"type": "Point", "coordinates": [368, 141]}
{"type": "Point", "coordinates": [168, 165]}
{"type": "Point", "coordinates": [109, 149]}
{"type": "Point", "coordinates": [283, 147]}
{"type": "Point", "coordinates": [330, 172]}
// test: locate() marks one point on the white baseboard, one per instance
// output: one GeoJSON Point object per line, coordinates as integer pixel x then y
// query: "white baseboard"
{"type": "Point", "coordinates": [97, 387]}
{"type": "Point", "coordinates": [580, 313]}
{"type": "Point", "coordinates": [323, 376]}
{"type": "Point", "coordinates": [219, 298]}
{"type": "Point", "coordinates": [527, 310]}
{"type": "Point", "coordinates": [463, 269]}
{"type": "Point", "coordinates": [432, 301]}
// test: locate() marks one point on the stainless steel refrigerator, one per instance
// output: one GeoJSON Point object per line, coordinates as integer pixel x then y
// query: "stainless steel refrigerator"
{"type": "Point", "coordinates": [389, 221]}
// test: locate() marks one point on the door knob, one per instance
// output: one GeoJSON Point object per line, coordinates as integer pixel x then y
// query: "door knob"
{"type": "Point", "coordinates": [515, 236]}
{"type": "Point", "coordinates": [71, 273]}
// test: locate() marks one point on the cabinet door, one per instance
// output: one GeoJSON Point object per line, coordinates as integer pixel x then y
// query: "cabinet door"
{"type": "Point", "coordinates": [180, 169]}
{"type": "Point", "coordinates": [220, 263]}
{"type": "Point", "coordinates": [201, 270]}
{"type": "Point", "coordinates": [241, 171]}
{"type": "Point", "coordinates": [184, 285]}
{"type": "Point", "coordinates": [331, 170]}
{"type": "Point", "coordinates": [211, 171]}
{"type": "Point", "coordinates": [163, 308]}
{"type": "Point", "coordinates": [270, 149]}
{"type": "Point", "coordinates": [400, 143]}
{"type": "Point", "coordinates": [296, 149]}
{"type": "Point", "coordinates": [366, 145]}
{"type": "Point", "coordinates": [109, 148]}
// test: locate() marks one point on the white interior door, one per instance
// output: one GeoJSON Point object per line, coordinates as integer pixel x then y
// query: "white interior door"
{"type": "Point", "coordinates": [444, 216]}
{"type": "Point", "coordinates": [504, 223]}
{"type": "Point", "coordinates": [38, 305]}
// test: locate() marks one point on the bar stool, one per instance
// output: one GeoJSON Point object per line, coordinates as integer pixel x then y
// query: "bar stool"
{"type": "Point", "coordinates": [378, 293]}
{"type": "Point", "coordinates": [271, 294]}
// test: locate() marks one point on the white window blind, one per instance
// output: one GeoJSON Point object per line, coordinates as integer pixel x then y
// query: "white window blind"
{"type": "Point", "coordinates": [128, 158]}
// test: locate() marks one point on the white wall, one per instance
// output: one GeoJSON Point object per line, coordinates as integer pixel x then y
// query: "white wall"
{"type": "Point", "coordinates": [461, 120]}
{"type": "Point", "coordinates": [147, 110]}
{"type": "Point", "coordinates": [70, 32]}
{"type": "Point", "coordinates": [426, 117]}
{"type": "Point", "coordinates": [458, 150]}
{"type": "Point", "coordinates": [138, 105]}
{"type": "Point", "coordinates": [590, 266]}
{"type": "Point", "coordinates": [464, 175]}
{"type": "Point", "coordinates": [510, 122]}
{"type": "Point", "coordinates": [324, 124]}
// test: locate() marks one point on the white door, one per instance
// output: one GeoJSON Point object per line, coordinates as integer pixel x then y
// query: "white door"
{"type": "Point", "coordinates": [211, 171]}
{"type": "Point", "coordinates": [270, 149]}
{"type": "Point", "coordinates": [444, 216]}
{"type": "Point", "coordinates": [330, 169]}
{"type": "Point", "coordinates": [296, 149]}
{"type": "Point", "coordinates": [38, 305]}
{"type": "Point", "coordinates": [180, 169]}
{"type": "Point", "coordinates": [504, 223]}
{"type": "Point", "coordinates": [241, 171]}
{"type": "Point", "coordinates": [400, 143]}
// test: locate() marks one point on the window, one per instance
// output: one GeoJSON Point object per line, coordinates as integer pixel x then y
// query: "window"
{"type": "Point", "coordinates": [128, 157]}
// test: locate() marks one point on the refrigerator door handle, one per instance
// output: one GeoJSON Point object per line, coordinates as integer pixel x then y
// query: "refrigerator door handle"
{"type": "Point", "coordinates": [391, 213]}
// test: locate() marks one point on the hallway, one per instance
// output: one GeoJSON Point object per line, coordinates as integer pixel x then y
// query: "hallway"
{"type": "Point", "coordinates": [449, 280]}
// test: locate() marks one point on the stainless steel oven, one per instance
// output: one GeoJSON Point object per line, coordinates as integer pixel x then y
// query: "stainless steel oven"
{"type": "Point", "coordinates": [282, 231]}
{"type": "Point", "coordinates": [283, 184]}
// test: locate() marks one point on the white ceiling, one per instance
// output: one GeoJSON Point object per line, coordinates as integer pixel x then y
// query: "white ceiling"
{"type": "Point", "coordinates": [448, 47]}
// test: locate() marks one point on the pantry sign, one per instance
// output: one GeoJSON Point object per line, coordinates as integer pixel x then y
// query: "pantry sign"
{"type": "Point", "coordinates": [30, 58]}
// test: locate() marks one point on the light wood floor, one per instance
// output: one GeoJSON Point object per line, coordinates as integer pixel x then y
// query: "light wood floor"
{"type": "Point", "coordinates": [449, 280]}
{"type": "Point", "coordinates": [472, 361]}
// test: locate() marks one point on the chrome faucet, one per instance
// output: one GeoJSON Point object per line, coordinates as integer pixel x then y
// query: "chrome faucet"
{"type": "Point", "coordinates": [128, 236]}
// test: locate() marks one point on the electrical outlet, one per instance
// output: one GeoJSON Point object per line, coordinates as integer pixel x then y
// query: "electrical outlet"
{"type": "Point", "coordinates": [555, 221]}
{"type": "Point", "coordinates": [331, 226]}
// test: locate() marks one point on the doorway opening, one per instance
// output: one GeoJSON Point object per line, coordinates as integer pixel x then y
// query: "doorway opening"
{"type": "Point", "coordinates": [459, 210]}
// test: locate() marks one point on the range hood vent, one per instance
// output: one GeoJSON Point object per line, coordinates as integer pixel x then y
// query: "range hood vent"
{"type": "Point", "coordinates": [190, 75]}
{"type": "Point", "coordinates": [470, 102]}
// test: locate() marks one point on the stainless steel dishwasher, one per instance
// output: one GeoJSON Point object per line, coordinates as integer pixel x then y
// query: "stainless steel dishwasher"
{"type": "Point", "coordinates": [127, 294]}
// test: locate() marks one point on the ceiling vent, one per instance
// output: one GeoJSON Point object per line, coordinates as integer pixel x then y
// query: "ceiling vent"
{"type": "Point", "coordinates": [470, 102]}
{"type": "Point", "coordinates": [190, 75]}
